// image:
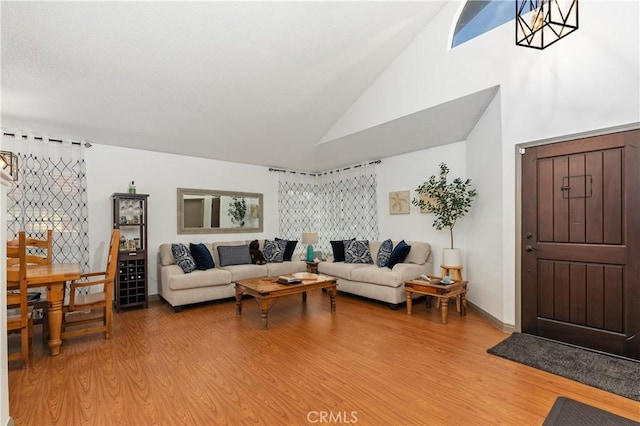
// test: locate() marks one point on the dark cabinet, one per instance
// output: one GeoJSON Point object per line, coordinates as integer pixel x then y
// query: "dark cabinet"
{"type": "Point", "coordinates": [130, 216]}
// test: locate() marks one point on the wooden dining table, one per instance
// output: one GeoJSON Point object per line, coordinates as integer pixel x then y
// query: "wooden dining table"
{"type": "Point", "coordinates": [53, 277]}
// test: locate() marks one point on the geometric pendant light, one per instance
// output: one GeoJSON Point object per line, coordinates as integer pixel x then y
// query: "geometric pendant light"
{"type": "Point", "coordinates": [540, 23]}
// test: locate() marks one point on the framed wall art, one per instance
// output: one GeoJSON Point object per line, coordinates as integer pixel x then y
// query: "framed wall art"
{"type": "Point", "coordinates": [399, 202]}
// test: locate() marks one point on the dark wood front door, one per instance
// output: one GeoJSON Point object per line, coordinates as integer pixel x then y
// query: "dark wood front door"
{"type": "Point", "coordinates": [581, 242]}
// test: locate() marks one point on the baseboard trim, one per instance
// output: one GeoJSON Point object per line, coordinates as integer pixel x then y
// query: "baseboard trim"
{"type": "Point", "coordinates": [507, 328]}
{"type": "Point", "coordinates": [11, 422]}
{"type": "Point", "coordinates": [154, 297]}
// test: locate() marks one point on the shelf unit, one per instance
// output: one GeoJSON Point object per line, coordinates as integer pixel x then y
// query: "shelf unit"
{"type": "Point", "coordinates": [130, 216]}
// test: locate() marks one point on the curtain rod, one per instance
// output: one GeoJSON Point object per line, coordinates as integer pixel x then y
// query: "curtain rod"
{"type": "Point", "coordinates": [272, 169]}
{"type": "Point", "coordinates": [41, 138]}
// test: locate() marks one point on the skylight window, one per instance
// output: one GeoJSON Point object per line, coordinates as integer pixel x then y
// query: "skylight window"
{"type": "Point", "coordinates": [480, 16]}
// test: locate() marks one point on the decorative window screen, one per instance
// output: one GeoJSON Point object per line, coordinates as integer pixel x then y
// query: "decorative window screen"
{"type": "Point", "coordinates": [51, 193]}
{"type": "Point", "coordinates": [338, 205]}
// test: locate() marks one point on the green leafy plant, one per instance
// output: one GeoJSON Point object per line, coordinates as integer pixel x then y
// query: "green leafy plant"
{"type": "Point", "coordinates": [448, 201]}
{"type": "Point", "coordinates": [237, 211]}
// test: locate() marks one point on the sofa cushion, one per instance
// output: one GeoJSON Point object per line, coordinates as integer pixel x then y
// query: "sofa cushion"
{"type": "Point", "coordinates": [399, 253]}
{"type": "Point", "coordinates": [357, 252]}
{"type": "Point", "coordinates": [338, 249]}
{"type": "Point", "coordinates": [274, 250]}
{"type": "Point", "coordinates": [165, 255]}
{"type": "Point", "coordinates": [375, 275]}
{"type": "Point", "coordinates": [234, 255]}
{"type": "Point", "coordinates": [245, 272]}
{"type": "Point", "coordinates": [339, 269]}
{"type": "Point", "coordinates": [202, 256]}
{"type": "Point", "coordinates": [291, 247]}
{"type": "Point", "coordinates": [177, 280]}
{"type": "Point", "coordinates": [374, 247]}
{"type": "Point", "coordinates": [384, 253]}
{"type": "Point", "coordinates": [183, 257]}
{"type": "Point", "coordinates": [419, 253]}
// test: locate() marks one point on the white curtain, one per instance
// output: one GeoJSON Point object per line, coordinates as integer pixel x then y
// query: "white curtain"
{"type": "Point", "coordinates": [51, 193]}
{"type": "Point", "coordinates": [339, 205]}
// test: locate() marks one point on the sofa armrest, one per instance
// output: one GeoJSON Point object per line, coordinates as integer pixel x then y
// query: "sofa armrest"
{"type": "Point", "coordinates": [410, 271]}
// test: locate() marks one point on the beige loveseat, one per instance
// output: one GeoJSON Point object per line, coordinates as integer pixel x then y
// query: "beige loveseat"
{"type": "Point", "coordinates": [180, 289]}
{"type": "Point", "coordinates": [384, 284]}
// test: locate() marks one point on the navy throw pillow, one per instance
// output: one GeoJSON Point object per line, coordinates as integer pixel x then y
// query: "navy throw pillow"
{"type": "Point", "coordinates": [183, 257]}
{"type": "Point", "coordinates": [399, 254]}
{"type": "Point", "coordinates": [338, 249]}
{"type": "Point", "coordinates": [384, 253]}
{"type": "Point", "coordinates": [202, 256]}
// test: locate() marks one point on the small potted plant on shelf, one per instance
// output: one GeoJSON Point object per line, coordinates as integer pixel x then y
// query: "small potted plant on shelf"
{"type": "Point", "coordinates": [448, 201]}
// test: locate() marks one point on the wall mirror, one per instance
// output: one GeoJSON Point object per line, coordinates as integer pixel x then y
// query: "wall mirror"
{"type": "Point", "coordinates": [210, 211]}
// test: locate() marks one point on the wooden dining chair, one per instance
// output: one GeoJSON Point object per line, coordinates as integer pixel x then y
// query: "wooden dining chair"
{"type": "Point", "coordinates": [38, 252]}
{"type": "Point", "coordinates": [19, 318]}
{"type": "Point", "coordinates": [96, 306]}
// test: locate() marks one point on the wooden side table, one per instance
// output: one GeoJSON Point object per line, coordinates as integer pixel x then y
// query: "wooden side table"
{"type": "Point", "coordinates": [440, 291]}
{"type": "Point", "coordinates": [312, 267]}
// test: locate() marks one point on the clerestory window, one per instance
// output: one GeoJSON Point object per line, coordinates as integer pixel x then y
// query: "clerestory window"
{"type": "Point", "coordinates": [480, 16]}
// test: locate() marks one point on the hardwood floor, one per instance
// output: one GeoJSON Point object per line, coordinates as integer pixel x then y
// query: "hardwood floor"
{"type": "Point", "coordinates": [365, 364]}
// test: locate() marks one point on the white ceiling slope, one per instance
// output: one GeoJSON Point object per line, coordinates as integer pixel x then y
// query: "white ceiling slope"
{"type": "Point", "coordinates": [234, 81]}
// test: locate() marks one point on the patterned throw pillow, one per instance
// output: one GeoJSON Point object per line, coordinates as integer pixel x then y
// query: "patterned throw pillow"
{"type": "Point", "coordinates": [183, 257]}
{"type": "Point", "coordinates": [357, 252]}
{"type": "Point", "coordinates": [384, 253]}
{"type": "Point", "coordinates": [202, 256]}
{"type": "Point", "coordinates": [234, 255]}
{"type": "Point", "coordinates": [274, 250]}
{"type": "Point", "coordinates": [399, 254]}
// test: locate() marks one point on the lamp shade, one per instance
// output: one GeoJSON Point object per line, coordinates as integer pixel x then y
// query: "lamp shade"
{"type": "Point", "coordinates": [309, 237]}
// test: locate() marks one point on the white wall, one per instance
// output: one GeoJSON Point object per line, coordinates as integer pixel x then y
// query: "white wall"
{"type": "Point", "coordinates": [586, 83]}
{"type": "Point", "coordinates": [407, 172]}
{"type": "Point", "coordinates": [485, 251]}
{"type": "Point", "coordinates": [109, 170]}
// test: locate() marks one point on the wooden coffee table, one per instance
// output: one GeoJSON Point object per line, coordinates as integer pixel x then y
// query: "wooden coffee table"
{"type": "Point", "coordinates": [266, 291]}
{"type": "Point", "coordinates": [441, 291]}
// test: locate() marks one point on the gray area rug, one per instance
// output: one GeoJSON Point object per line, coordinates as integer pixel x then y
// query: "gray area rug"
{"type": "Point", "coordinates": [609, 373]}
{"type": "Point", "coordinates": [567, 412]}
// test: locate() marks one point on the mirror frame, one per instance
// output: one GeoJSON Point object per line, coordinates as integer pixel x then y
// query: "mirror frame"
{"type": "Point", "coordinates": [181, 192]}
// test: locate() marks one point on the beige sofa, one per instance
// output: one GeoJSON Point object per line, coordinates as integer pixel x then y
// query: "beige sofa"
{"type": "Point", "coordinates": [383, 284]}
{"type": "Point", "coordinates": [180, 289]}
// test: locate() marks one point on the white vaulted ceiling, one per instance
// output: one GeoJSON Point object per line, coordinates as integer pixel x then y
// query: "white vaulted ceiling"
{"type": "Point", "coordinates": [252, 82]}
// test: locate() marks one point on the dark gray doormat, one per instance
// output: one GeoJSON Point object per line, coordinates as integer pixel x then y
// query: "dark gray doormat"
{"type": "Point", "coordinates": [567, 412]}
{"type": "Point", "coordinates": [609, 373]}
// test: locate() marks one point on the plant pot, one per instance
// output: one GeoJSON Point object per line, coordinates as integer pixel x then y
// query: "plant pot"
{"type": "Point", "coordinates": [451, 257]}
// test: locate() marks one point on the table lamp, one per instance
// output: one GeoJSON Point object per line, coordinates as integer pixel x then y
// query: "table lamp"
{"type": "Point", "coordinates": [310, 238]}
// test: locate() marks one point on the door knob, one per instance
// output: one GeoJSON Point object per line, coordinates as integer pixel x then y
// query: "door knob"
{"type": "Point", "coordinates": [529, 248]}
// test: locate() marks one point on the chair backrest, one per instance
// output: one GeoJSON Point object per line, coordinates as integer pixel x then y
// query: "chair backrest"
{"type": "Point", "coordinates": [112, 264]}
{"type": "Point", "coordinates": [38, 251]}
{"type": "Point", "coordinates": [17, 277]}
{"type": "Point", "coordinates": [112, 260]}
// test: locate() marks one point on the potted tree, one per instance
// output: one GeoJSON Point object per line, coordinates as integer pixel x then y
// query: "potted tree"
{"type": "Point", "coordinates": [448, 201]}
